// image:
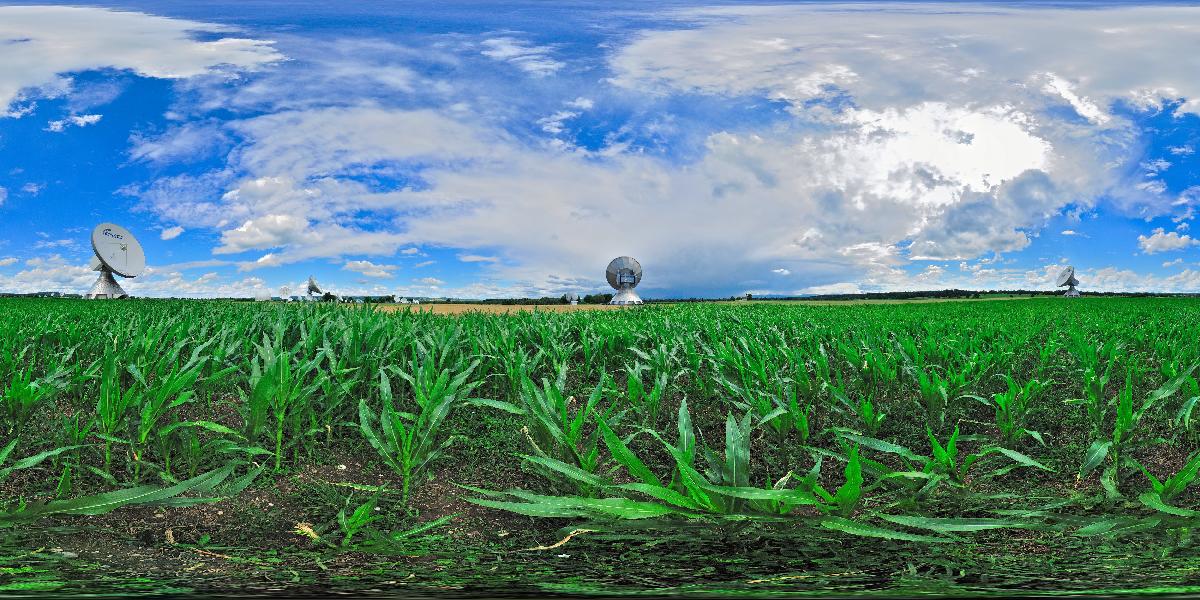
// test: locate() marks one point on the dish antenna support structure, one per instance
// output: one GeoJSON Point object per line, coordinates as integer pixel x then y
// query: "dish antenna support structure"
{"type": "Point", "coordinates": [313, 288]}
{"type": "Point", "coordinates": [115, 251]}
{"type": "Point", "coordinates": [623, 274]}
{"type": "Point", "coordinates": [1067, 279]}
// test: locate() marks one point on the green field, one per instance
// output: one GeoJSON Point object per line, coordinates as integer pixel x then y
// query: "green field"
{"type": "Point", "coordinates": [1037, 446]}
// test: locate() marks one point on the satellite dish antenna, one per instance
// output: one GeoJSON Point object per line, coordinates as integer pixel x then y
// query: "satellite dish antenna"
{"type": "Point", "coordinates": [284, 293]}
{"type": "Point", "coordinates": [1067, 278]}
{"type": "Point", "coordinates": [115, 251]}
{"type": "Point", "coordinates": [573, 298]}
{"type": "Point", "coordinates": [313, 288]}
{"type": "Point", "coordinates": [624, 273]}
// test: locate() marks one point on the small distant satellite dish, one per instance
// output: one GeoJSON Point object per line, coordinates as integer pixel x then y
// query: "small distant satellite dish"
{"type": "Point", "coordinates": [115, 250]}
{"type": "Point", "coordinates": [313, 288]}
{"type": "Point", "coordinates": [573, 298]}
{"type": "Point", "coordinates": [1067, 278]}
{"type": "Point", "coordinates": [623, 274]}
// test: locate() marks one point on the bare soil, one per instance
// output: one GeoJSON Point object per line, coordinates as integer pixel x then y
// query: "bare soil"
{"type": "Point", "coordinates": [457, 309]}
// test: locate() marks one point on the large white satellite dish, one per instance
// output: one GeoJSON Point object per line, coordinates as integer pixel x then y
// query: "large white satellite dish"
{"type": "Point", "coordinates": [115, 251]}
{"type": "Point", "coordinates": [1067, 278]}
{"type": "Point", "coordinates": [313, 288]}
{"type": "Point", "coordinates": [624, 273]}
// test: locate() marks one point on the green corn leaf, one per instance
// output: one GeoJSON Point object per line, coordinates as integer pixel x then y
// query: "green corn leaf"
{"type": "Point", "coordinates": [1183, 418]}
{"type": "Point", "coordinates": [1117, 526]}
{"type": "Point", "coordinates": [1171, 387]}
{"type": "Point", "coordinates": [421, 528]}
{"type": "Point", "coordinates": [882, 446]}
{"type": "Point", "coordinates": [209, 425]}
{"type": "Point", "coordinates": [507, 407]}
{"type": "Point", "coordinates": [665, 494]}
{"type": "Point", "coordinates": [109, 501]}
{"type": "Point", "coordinates": [1177, 483]}
{"type": "Point", "coordinates": [1023, 459]}
{"type": "Point", "coordinates": [1094, 456]}
{"type": "Point", "coordinates": [6, 451]}
{"type": "Point", "coordinates": [627, 458]}
{"type": "Point", "coordinates": [569, 470]}
{"type": "Point", "coordinates": [952, 525]}
{"type": "Point", "coordinates": [1153, 500]}
{"type": "Point", "coordinates": [865, 530]}
{"type": "Point", "coordinates": [31, 461]}
{"type": "Point", "coordinates": [529, 509]}
{"type": "Point", "coordinates": [848, 494]}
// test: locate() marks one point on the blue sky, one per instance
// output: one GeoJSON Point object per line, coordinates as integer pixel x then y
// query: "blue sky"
{"type": "Point", "coordinates": [491, 149]}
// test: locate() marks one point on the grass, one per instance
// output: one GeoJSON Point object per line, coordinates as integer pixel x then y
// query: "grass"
{"type": "Point", "coordinates": [976, 426]}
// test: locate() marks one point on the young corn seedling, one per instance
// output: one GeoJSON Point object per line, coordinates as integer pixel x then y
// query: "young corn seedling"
{"type": "Point", "coordinates": [282, 384]}
{"type": "Point", "coordinates": [170, 388]}
{"type": "Point", "coordinates": [645, 403]}
{"type": "Point", "coordinates": [409, 442]}
{"type": "Point", "coordinates": [935, 398]}
{"type": "Point", "coordinates": [863, 412]}
{"type": "Point", "coordinates": [947, 463]}
{"type": "Point", "coordinates": [1013, 407]}
{"type": "Point", "coordinates": [23, 396]}
{"type": "Point", "coordinates": [113, 408]}
{"type": "Point", "coordinates": [352, 523]}
{"type": "Point", "coordinates": [1127, 435]}
{"type": "Point", "coordinates": [559, 427]}
{"type": "Point", "coordinates": [1164, 492]}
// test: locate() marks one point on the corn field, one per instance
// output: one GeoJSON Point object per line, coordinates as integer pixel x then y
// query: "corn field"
{"type": "Point", "coordinates": [925, 423]}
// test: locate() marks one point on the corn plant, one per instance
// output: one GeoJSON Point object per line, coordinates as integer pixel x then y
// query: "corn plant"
{"type": "Point", "coordinates": [1162, 493]}
{"type": "Point", "coordinates": [863, 412]}
{"type": "Point", "coordinates": [935, 397]}
{"type": "Point", "coordinates": [281, 385]}
{"type": "Point", "coordinates": [647, 404]}
{"type": "Point", "coordinates": [114, 407]}
{"type": "Point", "coordinates": [559, 427]}
{"type": "Point", "coordinates": [409, 442]}
{"type": "Point", "coordinates": [355, 522]}
{"type": "Point", "coordinates": [1127, 433]}
{"type": "Point", "coordinates": [1013, 407]}
{"type": "Point", "coordinates": [23, 396]}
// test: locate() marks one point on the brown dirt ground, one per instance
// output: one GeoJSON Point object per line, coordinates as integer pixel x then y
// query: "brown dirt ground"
{"type": "Point", "coordinates": [457, 309]}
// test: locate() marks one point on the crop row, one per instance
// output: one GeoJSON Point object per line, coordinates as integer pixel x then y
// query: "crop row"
{"type": "Point", "coordinates": [902, 421]}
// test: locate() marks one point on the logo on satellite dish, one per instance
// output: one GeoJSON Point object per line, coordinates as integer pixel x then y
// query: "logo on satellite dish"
{"type": "Point", "coordinates": [108, 232]}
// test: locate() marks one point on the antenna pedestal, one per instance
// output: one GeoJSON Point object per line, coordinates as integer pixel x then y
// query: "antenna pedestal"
{"type": "Point", "coordinates": [1071, 292]}
{"type": "Point", "coordinates": [106, 287]}
{"type": "Point", "coordinates": [626, 295]}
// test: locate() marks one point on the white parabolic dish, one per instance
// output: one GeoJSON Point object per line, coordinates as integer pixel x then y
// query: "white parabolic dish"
{"type": "Point", "coordinates": [1066, 277]}
{"type": "Point", "coordinates": [624, 273]}
{"type": "Point", "coordinates": [623, 266]}
{"type": "Point", "coordinates": [118, 250]}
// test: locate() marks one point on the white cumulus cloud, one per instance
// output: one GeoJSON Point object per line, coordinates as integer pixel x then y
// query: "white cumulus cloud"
{"type": "Point", "coordinates": [42, 45]}
{"type": "Point", "coordinates": [370, 269]}
{"type": "Point", "coordinates": [533, 59]}
{"type": "Point", "coordinates": [1163, 241]}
